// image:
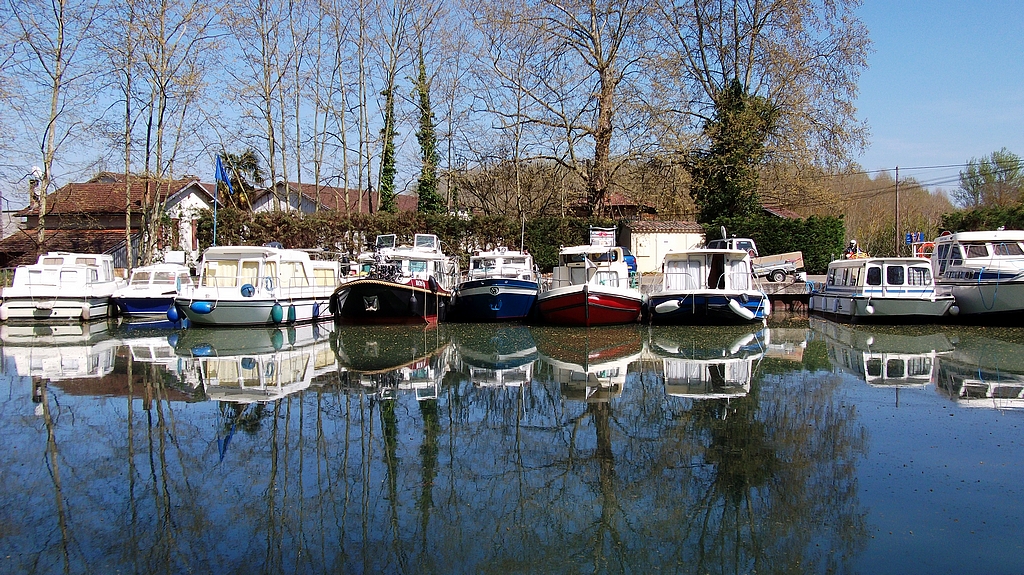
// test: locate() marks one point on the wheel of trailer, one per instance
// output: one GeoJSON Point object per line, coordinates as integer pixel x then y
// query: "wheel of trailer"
{"type": "Point", "coordinates": [777, 276]}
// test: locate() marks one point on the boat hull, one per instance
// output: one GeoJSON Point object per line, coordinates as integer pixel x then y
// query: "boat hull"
{"type": "Point", "coordinates": [989, 300]}
{"type": "Point", "coordinates": [494, 299]}
{"type": "Point", "coordinates": [876, 309]}
{"type": "Point", "coordinates": [143, 305]}
{"type": "Point", "coordinates": [249, 311]}
{"type": "Point", "coordinates": [61, 308]}
{"type": "Point", "coordinates": [709, 308]}
{"type": "Point", "coordinates": [589, 305]}
{"type": "Point", "coordinates": [371, 301]}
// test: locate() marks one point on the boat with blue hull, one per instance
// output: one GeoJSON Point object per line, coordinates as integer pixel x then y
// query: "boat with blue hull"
{"type": "Point", "coordinates": [708, 286]}
{"type": "Point", "coordinates": [501, 285]}
{"type": "Point", "coordinates": [151, 289]}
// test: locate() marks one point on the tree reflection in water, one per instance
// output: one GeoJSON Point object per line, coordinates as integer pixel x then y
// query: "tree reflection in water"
{"type": "Point", "coordinates": [480, 478]}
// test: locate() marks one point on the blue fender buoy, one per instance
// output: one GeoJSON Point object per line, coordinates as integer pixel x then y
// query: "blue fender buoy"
{"type": "Point", "coordinates": [203, 307]}
{"type": "Point", "coordinates": [172, 340]}
{"type": "Point", "coordinates": [291, 313]}
{"type": "Point", "coordinates": [276, 313]}
{"type": "Point", "coordinates": [316, 310]}
{"type": "Point", "coordinates": [172, 313]}
{"type": "Point", "coordinates": [248, 290]}
{"type": "Point", "coordinates": [291, 336]}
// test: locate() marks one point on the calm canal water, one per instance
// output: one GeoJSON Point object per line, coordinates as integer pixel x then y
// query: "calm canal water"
{"type": "Point", "coordinates": [804, 447]}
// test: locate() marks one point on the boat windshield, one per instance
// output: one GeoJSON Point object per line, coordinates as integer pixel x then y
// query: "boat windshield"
{"type": "Point", "coordinates": [165, 278]}
{"type": "Point", "coordinates": [1007, 249]}
{"type": "Point", "coordinates": [140, 278]}
{"type": "Point", "coordinates": [976, 250]}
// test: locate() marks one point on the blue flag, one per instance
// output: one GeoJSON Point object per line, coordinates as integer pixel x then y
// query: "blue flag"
{"type": "Point", "coordinates": [222, 175]}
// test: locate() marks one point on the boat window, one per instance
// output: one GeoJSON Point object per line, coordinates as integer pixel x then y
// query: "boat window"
{"type": "Point", "coordinates": [739, 275]}
{"type": "Point", "coordinates": [854, 276]}
{"type": "Point", "coordinates": [918, 366]}
{"type": "Point", "coordinates": [140, 278]}
{"type": "Point", "coordinates": [609, 256]}
{"type": "Point", "coordinates": [831, 277]}
{"type": "Point", "coordinates": [873, 366]}
{"type": "Point", "coordinates": [919, 276]}
{"type": "Point", "coordinates": [164, 278]}
{"type": "Point", "coordinates": [1007, 249]}
{"type": "Point", "coordinates": [606, 278]}
{"type": "Point", "coordinates": [184, 279]}
{"type": "Point", "coordinates": [85, 261]}
{"type": "Point", "coordinates": [874, 277]}
{"type": "Point", "coordinates": [68, 276]}
{"type": "Point", "coordinates": [220, 274]}
{"type": "Point", "coordinates": [484, 264]}
{"type": "Point", "coordinates": [683, 274]}
{"type": "Point", "coordinates": [324, 276]}
{"type": "Point", "coordinates": [53, 261]}
{"type": "Point", "coordinates": [250, 271]}
{"type": "Point", "coordinates": [846, 276]}
{"type": "Point", "coordinates": [895, 369]}
{"type": "Point", "coordinates": [270, 272]}
{"type": "Point", "coordinates": [976, 250]}
{"type": "Point", "coordinates": [941, 253]}
{"type": "Point", "coordinates": [417, 266]}
{"type": "Point", "coordinates": [955, 257]}
{"type": "Point", "coordinates": [425, 241]}
{"type": "Point", "coordinates": [294, 274]}
{"type": "Point", "coordinates": [517, 261]}
{"type": "Point", "coordinates": [895, 275]}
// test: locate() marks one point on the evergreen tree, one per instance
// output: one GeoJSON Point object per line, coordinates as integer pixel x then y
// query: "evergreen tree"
{"type": "Point", "coordinates": [387, 201]}
{"type": "Point", "coordinates": [724, 178]}
{"type": "Point", "coordinates": [430, 201]}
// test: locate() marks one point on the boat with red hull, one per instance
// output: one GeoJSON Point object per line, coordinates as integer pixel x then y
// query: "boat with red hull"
{"type": "Point", "coordinates": [590, 287]}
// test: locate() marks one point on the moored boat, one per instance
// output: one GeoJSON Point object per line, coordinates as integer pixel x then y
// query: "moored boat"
{"type": "Point", "coordinates": [257, 285]}
{"type": "Point", "coordinates": [403, 284]}
{"type": "Point", "coordinates": [708, 286]}
{"type": "Point", "coordinates": [984, 271]}
{"type": "Point", "coordinates": [61, 286]}
{"type": "Point", "coordinates": [590, 287]}
{"type": "Point", "coordinates": [151, 289]}
{"type": "Point", "coordinates": [500, 285]}
{"type": "Point", "coordinates": [881, 289]}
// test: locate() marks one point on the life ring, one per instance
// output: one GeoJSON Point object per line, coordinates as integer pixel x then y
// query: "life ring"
{"type": "Point", "coordinates": [268, 283]}
{"type": "Point", "coordinates": [924, 250]}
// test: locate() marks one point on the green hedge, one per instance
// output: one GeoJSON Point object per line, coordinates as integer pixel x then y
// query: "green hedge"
{"type": "Point", "coordinates": [349, 234]}
{"type": "Point", "coordinates": [990, 218]}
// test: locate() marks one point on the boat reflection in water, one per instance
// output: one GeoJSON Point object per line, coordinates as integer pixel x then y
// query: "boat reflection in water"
{"type": "Point", "coordinates": [392, 358]}
{"type": "Point", "coordinates": [983, 372]}
{"type": "Point", "coordinates": [495, 357]}
{"type": "Point", "coordinates": [258, 364]}
{"type": "Point", "coordinates": [882, 356]}
{"type": "Point", "coordinates": [589, 364]}
{"type": "Point", "coordinates": [711, 363]}
{"type": "Point", "coordinates": [58, 352]}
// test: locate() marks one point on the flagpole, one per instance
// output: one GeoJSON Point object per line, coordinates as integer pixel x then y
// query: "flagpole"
{"type": "Point", "coordinates": [216, 185]}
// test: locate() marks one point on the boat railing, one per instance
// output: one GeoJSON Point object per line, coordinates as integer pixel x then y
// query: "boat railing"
{"type": "Point", "coordinates": [687, 280]}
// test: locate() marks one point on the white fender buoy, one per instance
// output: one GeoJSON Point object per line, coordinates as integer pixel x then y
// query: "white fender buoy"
{"type": "Point", "coordinates": [667, 306]}
{"type": "Point", "coordinates": [86, 313]}
{"type": "Point", "coordinates": [870, 309]}
{"type": "Point", "coordinates": [738, 309]}
{"type": "Point", "coordinates": [953, 310]}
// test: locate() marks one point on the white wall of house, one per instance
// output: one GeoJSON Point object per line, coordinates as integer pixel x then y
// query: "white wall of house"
{"type": "Point", "coordinates": [184, 207]}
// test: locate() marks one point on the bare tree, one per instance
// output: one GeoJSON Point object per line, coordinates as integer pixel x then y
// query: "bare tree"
{"type": "Point", "coordinates": [55, 37]}
{"type": "Point", "coordinates": [581, 53]}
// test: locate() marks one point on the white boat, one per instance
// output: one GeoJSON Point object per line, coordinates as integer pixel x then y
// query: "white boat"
{"type": "Point", "coordinates": [984, 271]}
{"type": "Point", "coordinates": [151, 289]}
{"type": "Point", "coordinates": [263, 364]}
{"type": "Point", "coordinates": [501, 285]}
{"type": "Point", "coordinates": [709, 286]}
{"type": "Point", "coordinates": [881, 289]}
{"type": "Point", "coordinates": [399, 284]}
{"type": "Point", "coordinates": [61, 286]}
{"type": "Point", "coordinates": [589, 287]}
{"type": "Point", "coordinates": [258, 285]}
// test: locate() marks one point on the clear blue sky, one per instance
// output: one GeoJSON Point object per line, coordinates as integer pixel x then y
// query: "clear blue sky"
{"type": "Point", "coordinates": [945, 84]}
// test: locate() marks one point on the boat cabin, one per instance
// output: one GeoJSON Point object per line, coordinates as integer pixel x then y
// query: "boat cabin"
{"type": "Point", "coordinates": [880, 276]}
{"type": "Point", "coordinates": [974, 250]}
{"type": "Point", "coordinates": [265, 268]}
{"type": "Point", "coordinates": [723, 269]}
{"type": "Point", "coordinates": [501, 263]}
{"type": "Point", "coordinates": [65, 269]}
{"type": "Point", "coordinates": [160, 275]}
{"type": "Point", "coordinates": [598, 265]}
{"type": "Point", "coordinates": [420, 261]}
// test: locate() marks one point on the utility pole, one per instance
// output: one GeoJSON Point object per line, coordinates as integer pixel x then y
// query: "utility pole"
{"type": "Point", "coordinates": [897, 220]}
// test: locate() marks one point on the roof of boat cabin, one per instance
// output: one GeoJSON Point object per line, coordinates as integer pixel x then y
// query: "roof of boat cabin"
{"type": "Point", "coordinates": [249, 251]}
{"type": "Point", "coordinates": [983, 236]}
{"type": "Point", "coordinates": [588, 249]}
{"type": "Point", "coordinates": [683, 254]}
{"type": "Point", "coordinates": [860, 262]}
